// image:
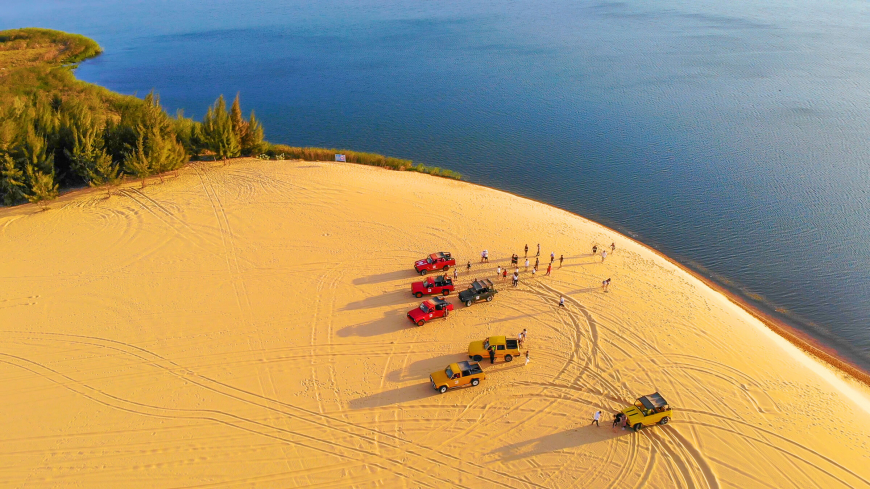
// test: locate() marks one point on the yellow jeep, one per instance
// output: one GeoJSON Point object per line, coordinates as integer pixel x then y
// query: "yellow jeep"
{"type": "Point", "coordinates": [456, 375]}
{"type": "Point", "coordinates": [647, 411]}
{"type": "Point", "coordinates": [504, 347]}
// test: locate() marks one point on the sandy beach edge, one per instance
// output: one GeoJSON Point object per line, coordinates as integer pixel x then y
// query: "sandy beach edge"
{"type": "Point", "coordinates": [824, 355]}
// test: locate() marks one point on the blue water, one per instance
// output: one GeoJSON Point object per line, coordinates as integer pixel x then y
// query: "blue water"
{"type": "Point", "coordinates": [732, 136]}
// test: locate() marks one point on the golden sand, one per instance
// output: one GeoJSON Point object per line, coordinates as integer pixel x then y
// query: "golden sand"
{"type": "Point", "coordinates": [245, 326]}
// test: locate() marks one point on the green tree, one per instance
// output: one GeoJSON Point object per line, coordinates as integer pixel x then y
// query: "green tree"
{"type": "Point", "coordinates": [136, 162]}
{"type": "Point", "coordinates": [189, 134]}
{"type": "Point", "coordinates": [105, 172]}
{"type": "Point", "coordinates": [42, 187]}
{"type": "Point", "coordinates": [253, 142]}
{"type": "Point", "coordinates": [249, 133]}
{"type": "Point", "coordinates": [218, 132]}
{"type": "Point", "coordinates": [88, 148]}
{"type": "Point", "coordinates": [12, 184]}
{"type": "Point", "coordinates": [162, 148]}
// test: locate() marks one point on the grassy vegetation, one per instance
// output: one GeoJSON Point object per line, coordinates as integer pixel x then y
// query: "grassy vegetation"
{"type": "Point", "coordinates": [370, 159]}
{"type": "Point", "coordinates": [56, 131]}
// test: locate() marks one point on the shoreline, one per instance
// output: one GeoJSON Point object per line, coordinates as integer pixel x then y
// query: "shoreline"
{"type": "Point", "coordinates": [825, 354]}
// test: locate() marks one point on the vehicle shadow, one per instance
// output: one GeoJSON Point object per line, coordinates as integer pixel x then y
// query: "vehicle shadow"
{"type": "Point", "coordinates": [392, 321]}
{"type": "Point", "coordinates": [385, 299]}
{"type": "Point", "coordinates": [422, 368]}
{"type": "Point", "coordinates": [562, 440]}
{"type": "Point", "coordinates": [386, 277]}
{"type": "Point", "coordinates": [408, 393]}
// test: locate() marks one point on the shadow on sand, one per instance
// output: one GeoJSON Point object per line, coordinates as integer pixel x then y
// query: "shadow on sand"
{"type": "Point", "coordinates": [422, 368]}
{"type": "Point", "coordinates": [386, 277]}
{"type": "Point", "coordinates": [396, 396]}
{"type": "Point", "coordinates": [392, 321]}
{"type": "Point", "coordinates": [558, 441]}
{"type": "Point", "coordinates": [386, 299]}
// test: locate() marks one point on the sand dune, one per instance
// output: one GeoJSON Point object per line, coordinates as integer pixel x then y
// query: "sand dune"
{"type": "Point", "coordinates": [245, 326]}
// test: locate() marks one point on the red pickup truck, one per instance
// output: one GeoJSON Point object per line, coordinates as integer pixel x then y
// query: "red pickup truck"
{"type": "Point", "coordinates": [431, 309]}
{"type": "Point", "coordinates": [438, 285]}
{"type": "Point", "coordinates": [436, 261]}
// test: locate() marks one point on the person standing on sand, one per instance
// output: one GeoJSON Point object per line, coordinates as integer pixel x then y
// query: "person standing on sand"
{"type": "Point", "coordinates": [549, 268]}
{"type": "Point", "coordinates": [504, 274]}
{"type": "Point", "coordinates": [455, 274]}
{"type": "Point", "coordinates": [594, 249]}
{"type": "Point", "coordinates": [527, 357]}
{"type": "Point", "coordinates": [524, 333]}
{"type": "Point", "coordinates": [498, 271]}
{"type": "Point", "coordinates": [603, 255]}
{"type": "Point", "coordinates": [486, 256]}
{"type": "Point", "coordinates": [539, 250]}
{"type": "Point", "coordinates": [595, 418]}
{"type": "Point", "coordinates": [469, 266]}
{"type": "Point", "coordinates": [537, 263]}
{"type": "Point", "coordinates": [552, 256]}
{"type": "Point", "coordinates": [527, 263]}
{"type": "Point", "coordinates": [605, 284]}
{"type": "Point", "coordinates": [527, 250]}
{"type": "Point", "coordinates": [616, 420]}
{"type": "Point", "coordinates": [561, 257]}
{"type": "Point", "coordinates": [534, 271]}
{"type": "Point", "coordinates": [491, 355]}
{"type": "Point", "coordinates": [561, 301]}
{"type": "Point", "coordinates": [612, 247]}
{"type": "Point", "coordinates": [624, 421]}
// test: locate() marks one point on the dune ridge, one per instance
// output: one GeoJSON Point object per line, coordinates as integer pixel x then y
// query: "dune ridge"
{"type": "Point", "coordinates": [245, 325]}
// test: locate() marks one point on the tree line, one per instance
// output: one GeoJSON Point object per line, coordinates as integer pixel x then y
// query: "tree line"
{"type": "Point", "coordinates": [50, 141]}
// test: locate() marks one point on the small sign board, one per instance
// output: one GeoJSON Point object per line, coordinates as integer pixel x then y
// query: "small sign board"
{"type": "Point", "coordinates": [340, 158]}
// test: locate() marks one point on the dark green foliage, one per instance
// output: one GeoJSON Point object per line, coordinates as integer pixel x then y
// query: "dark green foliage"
{"type": "Point", "coordinates": [105, 173]}
{"type": "Point", "coordinates": [12, 185]}
{"type": "Point", "coordinates": [42, 186]}
{"type": "Point", "coordinates": [136, 162]}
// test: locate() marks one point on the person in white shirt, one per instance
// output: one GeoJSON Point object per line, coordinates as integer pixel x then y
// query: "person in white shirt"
{"type": "Point", "coordinates": [595, 419]}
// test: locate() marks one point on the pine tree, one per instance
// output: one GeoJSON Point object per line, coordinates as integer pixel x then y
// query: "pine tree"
{"type": "Point", "coordinates": [218, 131]}
{"type": "Point", "coordinates": [136, 163]}
{"type": "Point", "coordinates": [42, 187]}
{"type": "Point", "coordinates": [88, 148]}
{"type": "Point", "coordinates": [105, 172]}
{"type": "Point", "coordinates": [240, 125]}
{"type": "Point", "coordinates": [12, 184]}
{"type": "Point", "coordinates": [34, 152]}
{"type": "Point", "coordinates": [252, 144]}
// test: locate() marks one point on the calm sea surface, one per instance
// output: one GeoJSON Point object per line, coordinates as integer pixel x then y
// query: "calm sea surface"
{"type": "Point", "coordinates": [733, 136]}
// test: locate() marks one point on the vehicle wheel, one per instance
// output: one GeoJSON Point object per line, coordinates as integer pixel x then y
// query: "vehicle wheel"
{"type": "Point", "coordinates": [489, 299]}
{"type": "Point", "coordinates": [445, 292]}
{"type": "Point", "coordinates": [418, 295]}
{"type": "Point", "coordinates": [421, 322]}
{"type": "Point", "coordinates": [474, 382]}
{"type": "Point", "coordinates": [664, 420]}
{"type": "Point", "coordinates": [422, 272]}
{"type": "Point", "coordinates": [637, 427]}
{"type": "Point", "coordinates": [508, 358]}
{"type": "Point", "coordinates": [477, 358]}
{"type": "Point", "coordinates": [445, 268]}
{"type": "Point", "coordinates": [442, 389]}
{"type": "Point", "coordinates": [467, 303]}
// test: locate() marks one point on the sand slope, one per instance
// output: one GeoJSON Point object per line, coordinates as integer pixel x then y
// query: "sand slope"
{"type": "Point", "coordinates": [245, 325]}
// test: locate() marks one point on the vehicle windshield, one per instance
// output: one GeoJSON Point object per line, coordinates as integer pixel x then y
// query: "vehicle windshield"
{"type": "Point", "coordinates": [486, 345]}
{"type": "Point", "coordinates": [427, 283]}
{"type": "Point", "coordinates": [428, 260]}
{"type": "Point", "coordinates": [448, 372]}
{"type": "Point", "coordinates": [424, 308]}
